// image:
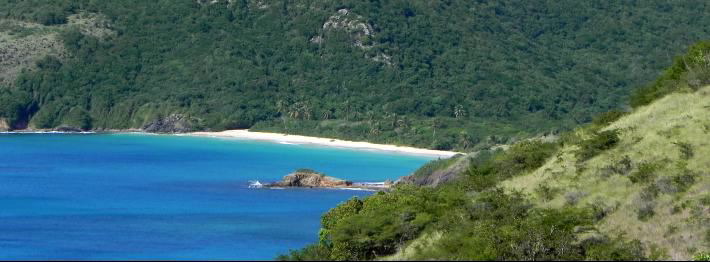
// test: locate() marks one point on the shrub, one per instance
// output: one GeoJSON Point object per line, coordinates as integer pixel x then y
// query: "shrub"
{"type": "Point", "coordinates": [646, 204]}
{"type": "Point", "coordinates": [649, 193]}
{"type": "Point", "coordinates": [481, 178]}
{"type": "Point", "coordinates": [676, 184]}
{"type": "Point", "coordinates": [686, 150]}
{"type": "Point", "coordinates": [313, 252]}
{"type": "Point", "coordinates": [621, 167]}
{"type": "Point", "coordinates": [646, 210]}
{"type": "Point", "coordinates": [702, 256]}
{"type": "Point", "coordinates": [670, 230]}
{"type": "Point", "coordinates": [616, 249]}
{"type": "Point", "coordinates": [600, 209]}
{"type": "Point", "coordinates": [683, 181]}
{"type": "Point", "coordinates": [688, 70]}
{"type": "Point", "coordinates": [523, 156]}
{"type": "Point", "coordinates": [646, 173]}
{"type": "Point", "coordinates": [658, 253]}
{"type": "Point", "coordinates": [598, 143]}
{"type": "Point", "coordinates": [546, 193]}
{"type": "Point", "coordinates": [572, 198]}
{"type": "Point", "coordinates": [606, 118]}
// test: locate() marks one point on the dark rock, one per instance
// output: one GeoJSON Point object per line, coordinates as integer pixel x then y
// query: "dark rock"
{"type": "Point", "coordinates": [68, 129]}
{"type": "Point", "coordinates": [175, 123]}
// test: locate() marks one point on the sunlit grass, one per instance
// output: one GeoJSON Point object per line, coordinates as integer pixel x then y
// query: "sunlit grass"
{"type": "Point", "coordinates": [652, 134]}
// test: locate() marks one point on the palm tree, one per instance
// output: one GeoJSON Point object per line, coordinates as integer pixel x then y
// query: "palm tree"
{"type": "Point", "coordinates": [464, 139]}
{"type": "Point", "coordinates": [459, 111]}
{"type": "Point", "coordinates": [281, 106]}
{"type": "Point", "coordinates": [327, 114]}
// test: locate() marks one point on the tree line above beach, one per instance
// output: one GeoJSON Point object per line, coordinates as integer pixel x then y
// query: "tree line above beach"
{"type": "Point", "coordinates": [437, 74]}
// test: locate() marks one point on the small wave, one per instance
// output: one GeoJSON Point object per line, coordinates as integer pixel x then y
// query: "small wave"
{"type": "Point", "coordinates": [255, 184]}
{"type": "Point", "coordinates": [287, 143]}
{"type": "Point", "coordinates": [356, 189]}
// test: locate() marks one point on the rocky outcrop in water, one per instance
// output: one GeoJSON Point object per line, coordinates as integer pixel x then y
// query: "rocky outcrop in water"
{"type": "Point", "coordinates": [175, 123]}
{"type": "Point", "coordinates": [309, 178]}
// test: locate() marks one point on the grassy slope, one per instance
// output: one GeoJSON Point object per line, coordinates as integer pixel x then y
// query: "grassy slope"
{"type": "Point", "coordinates": [22, 44]}
{"type": "Point", "coordinates": [647, 136]}
{"type": "Point", "coordinates": [679, 227]}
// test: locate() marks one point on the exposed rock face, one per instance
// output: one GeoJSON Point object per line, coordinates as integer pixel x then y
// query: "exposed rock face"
{"type": "Point", "coordinates": [303, 178]}
{"type": "Point", "coordinates": [439, 177]}
{"type": "Point", "coordinates": [360, 31]}
{"type": "Point", "coordinates": [65, 128]}
{"type": "Point", "coordinates": [175, 123]}
{"type": "Point", "coordinates": [350, 22]}
{"type": "Point", "coordinates": [3, 125]}
{"type": "Point", "coordinates": [92, 24]}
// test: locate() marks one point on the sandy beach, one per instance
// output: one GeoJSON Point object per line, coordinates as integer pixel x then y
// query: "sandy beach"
{"type": "Point", "coordinates": [296, 139]}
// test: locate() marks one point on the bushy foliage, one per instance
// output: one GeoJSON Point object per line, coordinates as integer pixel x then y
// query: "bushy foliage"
{"type": "Point", "coordinates": [686, 150]}
{"type": "Point", "coordinates": [702, 256]}
{"type": "Point", "coordinates": [478, 220]}
{"type": "Point", "coordinates": [599, 142]}
{"type": "Point", "coordinates": [377, 225]}
{"type": "Point", "coordinates": [493, 225]}
{"type": "Point", "coordinates": [646, 173]}
{"type": "Point", "coordinates": [691, 70]}
{"type": "Point", "coordinates": [606, 118]}
{"type": "Point", "coordinates": [520, 157]}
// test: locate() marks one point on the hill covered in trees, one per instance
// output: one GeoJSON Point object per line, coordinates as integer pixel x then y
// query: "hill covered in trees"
{"type": "Point", "coordinates": [437, 74]}
{"type": "Point", "coordinates": [628, 186]}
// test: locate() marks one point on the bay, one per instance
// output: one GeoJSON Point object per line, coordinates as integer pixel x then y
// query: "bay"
{"type": "Point", "coordinates": [138, 196]}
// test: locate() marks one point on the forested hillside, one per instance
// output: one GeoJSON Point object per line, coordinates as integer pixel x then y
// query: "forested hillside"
{"type": "Point", "coordinates": [628, 186]}
{"type": "Point", "coordinates": [438, 74]}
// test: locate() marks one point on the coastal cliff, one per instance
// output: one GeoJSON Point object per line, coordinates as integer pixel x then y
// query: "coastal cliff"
{"type": "Point", "coordinates": [174, 123]}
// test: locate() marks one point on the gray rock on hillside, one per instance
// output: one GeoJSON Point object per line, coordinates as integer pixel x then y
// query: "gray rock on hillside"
{"type": "Point", "coordinates": [175, 123]}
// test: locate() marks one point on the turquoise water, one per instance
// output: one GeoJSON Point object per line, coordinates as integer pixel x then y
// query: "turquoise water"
{"type": "Point", "coordinates": [129, 196]}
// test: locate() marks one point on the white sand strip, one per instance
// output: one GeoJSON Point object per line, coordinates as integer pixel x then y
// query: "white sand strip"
{"type": "Point", "coordinates": [296, 139]}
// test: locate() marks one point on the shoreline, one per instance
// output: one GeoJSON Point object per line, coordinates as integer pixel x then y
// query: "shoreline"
{"type": "Point", "coordinates": [330, 142]}
{"type": "Point", "coordinates": [280, 138]}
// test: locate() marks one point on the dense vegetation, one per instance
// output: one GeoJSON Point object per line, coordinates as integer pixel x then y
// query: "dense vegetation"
{"type": "Point", "coordinates": [479, 219]}
{"type": "Point", "coordinates": [438, 74]}
{"type": "Point", "coordinates": [627, 186]}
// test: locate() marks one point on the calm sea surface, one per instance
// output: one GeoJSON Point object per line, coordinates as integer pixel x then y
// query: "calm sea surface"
{"type": "Point", "coordinates": [131, 196]}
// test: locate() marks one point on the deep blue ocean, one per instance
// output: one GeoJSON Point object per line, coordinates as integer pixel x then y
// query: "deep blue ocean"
{"type": "Point", "coordinates": [133, 196]}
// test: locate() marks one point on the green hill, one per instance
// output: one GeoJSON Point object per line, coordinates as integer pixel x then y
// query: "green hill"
{"type": "Point", "coordinates": [627, 186]}
{"type": "Point", "coordinates": [436, 74]}
{"type": "Point", "coordinates": [654, 181]}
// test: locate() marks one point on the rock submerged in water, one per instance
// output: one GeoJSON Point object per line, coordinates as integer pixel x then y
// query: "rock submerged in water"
{"type": "Point", "coordinates": [309, 178]}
